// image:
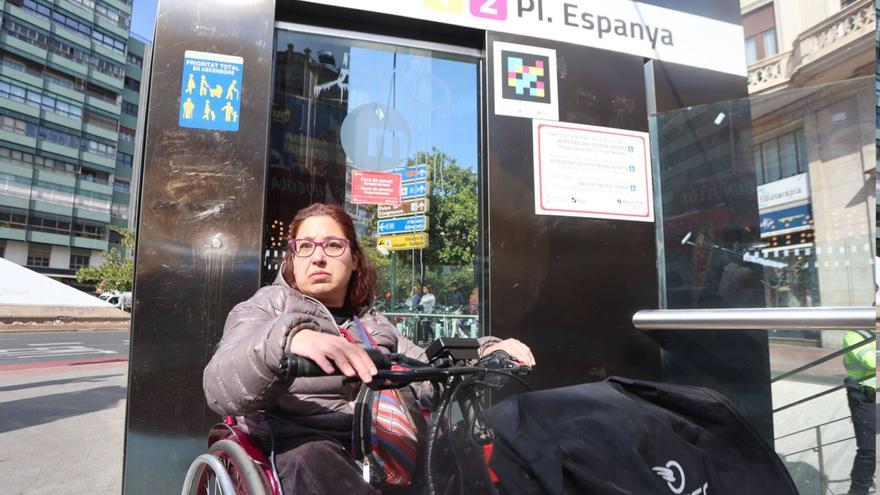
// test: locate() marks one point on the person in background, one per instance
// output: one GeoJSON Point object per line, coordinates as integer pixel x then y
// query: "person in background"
{"type": "Point", "coordinates": [861, 388]}
{"type": "Point", "coordinates": [428, 300]}
{"type": "Point", "coordinates": [456, 298]}
{"type": "Point", "coordinates": [414, 298]}
{"type": "Point", "coordinates": [474, 302]}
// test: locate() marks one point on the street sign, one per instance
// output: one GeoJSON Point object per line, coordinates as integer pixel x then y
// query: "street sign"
{"type": "Point", "coordinates": [402, 224]}
{"type": "Point", "coordinates": [412, 174]}
{"type": "Point", "coordinates": [412, 207]}
{"type": "Point", "coordinates": [401, 242]}
{"type": "Point", "coordinates": [414, 190]}
{"type": "Point", "coordinates": [375, 188]}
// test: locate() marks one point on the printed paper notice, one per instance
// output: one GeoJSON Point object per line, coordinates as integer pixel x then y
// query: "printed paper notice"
{"type": "Point", "coordinates": [592, 172]}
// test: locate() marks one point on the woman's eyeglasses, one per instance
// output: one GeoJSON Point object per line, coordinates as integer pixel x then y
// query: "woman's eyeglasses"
{"type": "Point", "coordinates": [303, 248]}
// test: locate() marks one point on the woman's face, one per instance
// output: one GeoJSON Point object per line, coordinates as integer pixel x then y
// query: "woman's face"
{"type": "Point", "coordinates": [320, 276]}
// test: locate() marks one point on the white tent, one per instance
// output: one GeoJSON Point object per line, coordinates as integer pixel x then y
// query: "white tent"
{"type": "Point", "coordinates": [28, 295]}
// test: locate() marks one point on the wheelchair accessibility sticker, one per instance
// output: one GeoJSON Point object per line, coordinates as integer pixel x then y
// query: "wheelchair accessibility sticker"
{"type": "Point", "coordinates": [210, 95]}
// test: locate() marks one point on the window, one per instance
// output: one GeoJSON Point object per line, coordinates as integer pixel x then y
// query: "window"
{"type": "Point", "coordinates": [781, 157]}
{"type": "Point", "coordinates": [87, 4]}
{"type": "Point", "coordinates": [129, 108]}
{"type": "Point", "coordinates": [12, 218]}
{"type": "Point", "coordinates": [108, 41]}
{"type": "Point", "coordinates": [24, 33]}
{"type": "Point", "coordinates": [30, 160]}
{"type": "Point", "coordinates": [58, 137]}
{"type": "Point", "coordinates": [120, 186]}
{"type": "Point", "coordinates": [93, 145]}
{"type": "Point", "coordinates": [71, 24]}
{"type": "Point", "coordinates": [96, 176]}
{"type": "Point", "coordinates": [49, 224]}
{"type": "Point", "coordinates": [132, 84]}
{"type": "Point", "coordinates": [123, 159]}
{"type": "Point", "coordinates": [121, 19]}
{"type": "Point", "coordinates": [78, 261]}
{"type": "Point", "coordinates": [38, 255]}
{"type": "Point", "coordinates": [119, 211]}
{"type": "Point", "coordinates": [126, 134]}
{"type": "Point", "coordinates": [99, 120]}
{"type": "Point", "coordinates": [18, 126]}
{"type": "Point", "coordinates": [90, 230]}
{"type": "Point", "coordinates": [134, 60]}
{"type": "Point", "coordinates": [759, 28]}
{"type": "Point", "coordinates": [37, 9]}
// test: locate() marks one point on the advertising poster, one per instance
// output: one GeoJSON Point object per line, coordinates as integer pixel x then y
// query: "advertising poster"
{"type": "Point", "coordinates": [592, 172]}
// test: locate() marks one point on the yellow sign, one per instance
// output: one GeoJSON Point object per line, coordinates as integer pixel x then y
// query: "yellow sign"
{"type": "Point", "coordinates": [401, 242]}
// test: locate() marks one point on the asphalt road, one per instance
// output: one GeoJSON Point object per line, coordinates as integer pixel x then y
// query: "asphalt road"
{"type": "Point", "coordinates": [40, 347]}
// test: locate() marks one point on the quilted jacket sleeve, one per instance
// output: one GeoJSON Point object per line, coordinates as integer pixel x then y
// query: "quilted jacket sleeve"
{"type": "Point", "coordinates": [243, 375]}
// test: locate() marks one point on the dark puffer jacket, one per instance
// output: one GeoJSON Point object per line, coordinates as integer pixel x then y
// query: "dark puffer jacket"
{"type": "Point", "coordinates": [243, 379]}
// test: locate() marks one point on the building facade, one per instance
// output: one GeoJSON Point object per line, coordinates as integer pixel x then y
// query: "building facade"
{"type": "Point", "coordinates": [800, 169]}
{"type": "Point", "coordinates": [70, 75]}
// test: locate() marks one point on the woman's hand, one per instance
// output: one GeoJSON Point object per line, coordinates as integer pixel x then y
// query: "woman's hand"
{"type": "Point", "coordinates": [328, 350]}
{"type": "Point", "coordinates": [515, 348]}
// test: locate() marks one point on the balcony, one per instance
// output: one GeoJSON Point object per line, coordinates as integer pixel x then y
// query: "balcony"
{"type": "Point", "coordinates": [79, 40]}
{"type": "Point", "coordinates": [112, 27]}
{"type": "Point", "coordinates": [95, 216]}
{"type": "Point", "coordinates": [58, 149]}
{"type": "Point", "coordinates": [61, 120]}
{"type": "Point", "coordinates": [12, 234]}
{"type": "Point", "coordinates": [98, 159]}
{"type": "Point", "coordinates": [27, 16]}
{"type": "Point", "coordinates": [49, 238]}
{"type": "Point", "coordinates": [85, 185]}
{"type": "Point", "coordinates": [20, 75]}
{"type": "Point", "coordinates": [19, 107]}
{"type": "Point", "coordinates": [75, 8]}
{"type": "Point", "coordinates": [106, 80]}
{"type": "Point", "coordinates": [818, 50]}
{"type": "Point", "coordinates": [18, 139]}
{"type": "Point", "coordinates": [54, 177]}
{"type": "Point", "coordinates": [31, 51]}
{"type": "Point", "coordinates": [68, 65]}
{"type": "Point", "coordinates": [100, 131]}
{"type": "Point", "coordinates": [66, 91]}
{"type": "Point", "coordinates": [87, 243]}
{"type": "Point", "coordinates": [107, 106]}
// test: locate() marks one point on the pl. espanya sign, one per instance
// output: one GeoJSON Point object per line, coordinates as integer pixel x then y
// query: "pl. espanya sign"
{"type": "Point", "coordinates": [617, 25]}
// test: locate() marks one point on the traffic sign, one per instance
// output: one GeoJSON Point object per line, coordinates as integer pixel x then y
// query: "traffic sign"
{"type": "Point", "coordinates": [412, 207]}
{"type": "Point", "coordinates": [414, 190]}
{"type": "Point", "coordinates": [403, 224]}
{"type": "Point", "coordinates": [400, 242]}
{"type": "Point", "coordinates": [412, 174]}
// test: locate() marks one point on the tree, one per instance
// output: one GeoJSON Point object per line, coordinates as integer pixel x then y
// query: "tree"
{"type": "Point", "coordinates": [116, 272]}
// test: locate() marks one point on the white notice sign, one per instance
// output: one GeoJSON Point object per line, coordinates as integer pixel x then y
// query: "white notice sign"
{"type": "Point", "coordinates": [593, 172]}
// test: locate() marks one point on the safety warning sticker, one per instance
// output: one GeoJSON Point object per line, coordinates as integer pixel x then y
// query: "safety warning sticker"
{"type": "Point", "coordinates": [210, 94]}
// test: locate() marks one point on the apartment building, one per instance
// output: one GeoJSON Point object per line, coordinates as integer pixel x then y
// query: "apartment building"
{"type": "Point", "coordinates": [70, 76]}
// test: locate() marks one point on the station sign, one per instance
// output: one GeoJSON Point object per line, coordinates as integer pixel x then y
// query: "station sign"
{"type": "Point", "coordinates": [414, 190]}
{"type": "Point", "coordinates": [402, 242]}
{"type": "Point", "coordinates": [412, 207]}
{"type": "Point", "coordinates": [412, 174]}
{"type": "Point", "coordinates": [401, 225]}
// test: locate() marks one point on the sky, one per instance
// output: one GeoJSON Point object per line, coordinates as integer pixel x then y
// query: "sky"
{"type": "Point", "coordinates": [143, 16]}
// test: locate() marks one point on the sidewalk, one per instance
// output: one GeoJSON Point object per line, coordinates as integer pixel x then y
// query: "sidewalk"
{"type": "Point", "coordinates": [62, 429]}
{"type": "Point", "coordinates": [62, 326]}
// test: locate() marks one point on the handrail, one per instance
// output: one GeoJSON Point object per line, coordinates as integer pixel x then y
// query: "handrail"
{"type": "Point", "coordinates": [821, 318]}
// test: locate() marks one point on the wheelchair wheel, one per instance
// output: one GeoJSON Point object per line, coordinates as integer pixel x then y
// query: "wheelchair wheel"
{"type": "Point", "coordinates": [244, 476]}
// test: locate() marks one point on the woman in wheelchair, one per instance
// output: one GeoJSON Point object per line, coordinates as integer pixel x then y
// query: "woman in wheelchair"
{"type": "Point", "coordinates": [319, 307]}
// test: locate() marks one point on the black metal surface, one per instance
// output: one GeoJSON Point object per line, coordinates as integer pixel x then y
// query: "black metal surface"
{"type": "Point", "coordinates": [199, 235]}
{"type": "Point", "coordinates": [569, 286]}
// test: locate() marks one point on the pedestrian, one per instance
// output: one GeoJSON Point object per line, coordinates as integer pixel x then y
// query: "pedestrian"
{"type": "Point", "coordinates": [861, 389]}
{"type": "Point", "coordinates": [456, 298]}
{"type": "Point", "coordinates": [428, 300]}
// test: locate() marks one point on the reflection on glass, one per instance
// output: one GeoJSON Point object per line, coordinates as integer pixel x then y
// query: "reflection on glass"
{"type": "Point", "coordinates": [341, 105]}
{"type": "Point", "coordinates": [783, 217]}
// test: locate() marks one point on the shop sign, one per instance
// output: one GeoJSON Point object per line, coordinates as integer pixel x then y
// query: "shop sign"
{"type": "Point", "coordinates": [412, 174]}
{"type": "Point", "coordinates": [401, 242]}
{"type": "Point", "coordinates": [786, 220]}
{"type": "Point", "coordinates": [210, 94]}
{"type": "Point", "coordinates": [414, 190]}
{"type": "Point", "coordinates": [415, 207]}
{"type": "Point", "coordinates": [792, 189]}
{"type": "Point", "coordinates": [375, 188]}
{"type": "Point", "coordinates": [401, 225]}
{"type": "Point", "coordinates": [624, 26]}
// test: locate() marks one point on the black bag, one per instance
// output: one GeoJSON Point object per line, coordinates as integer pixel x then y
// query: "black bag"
{"type": "Point", "coordinates": [623, 436]}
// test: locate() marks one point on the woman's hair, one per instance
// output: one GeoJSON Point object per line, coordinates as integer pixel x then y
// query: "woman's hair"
{"type": "Point", "coordinates": [361, 286]}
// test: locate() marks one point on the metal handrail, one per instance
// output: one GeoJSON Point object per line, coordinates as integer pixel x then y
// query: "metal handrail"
{"type": "Point", "coordinates": [821, 318]}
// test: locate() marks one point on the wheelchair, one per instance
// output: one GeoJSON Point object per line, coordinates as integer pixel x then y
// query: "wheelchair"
{"type": "Point", "coordinates": [233, 465]}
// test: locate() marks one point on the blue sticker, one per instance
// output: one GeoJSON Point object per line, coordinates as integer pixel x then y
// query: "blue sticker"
{"type": "Point", "coordinates": [210, 94]}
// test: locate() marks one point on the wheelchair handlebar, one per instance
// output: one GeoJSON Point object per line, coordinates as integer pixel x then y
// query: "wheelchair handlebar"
{"type": "Point", "coordinates": [396, 369]}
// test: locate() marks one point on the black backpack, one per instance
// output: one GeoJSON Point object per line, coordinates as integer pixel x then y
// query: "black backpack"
{"type": "Point", "coordinates": [623, 436]}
